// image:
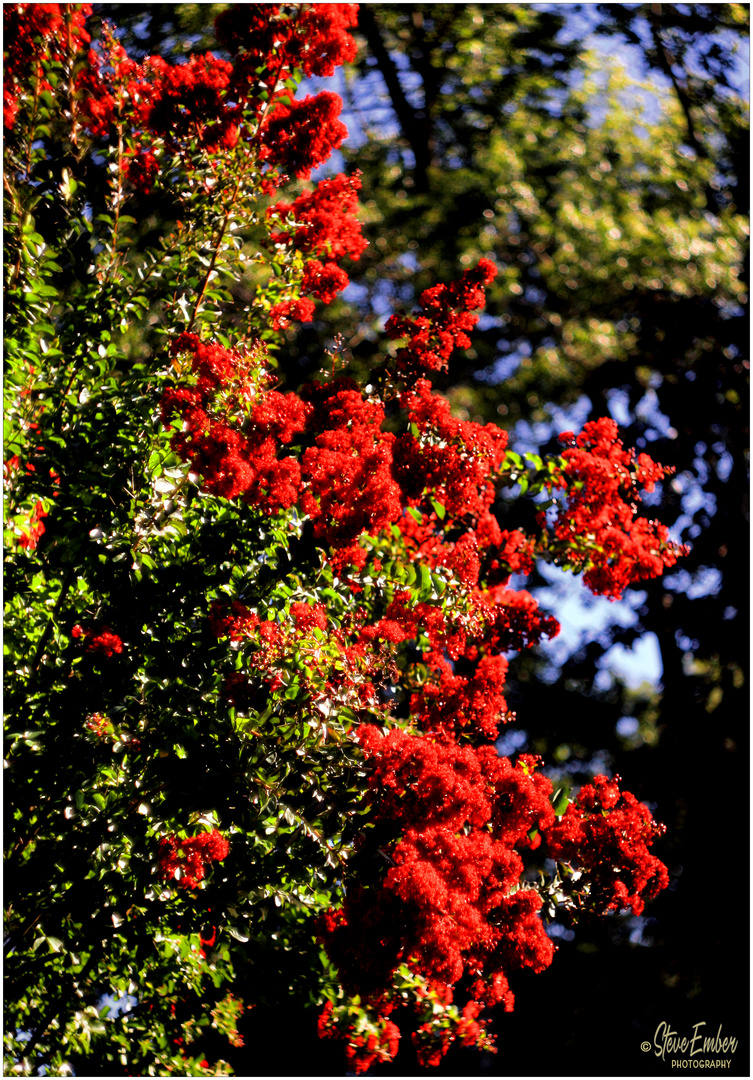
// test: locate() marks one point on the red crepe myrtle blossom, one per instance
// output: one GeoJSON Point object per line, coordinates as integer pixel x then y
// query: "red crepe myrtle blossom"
{"type": "Point", "coordinates": [607, 834]}
{"type": "Point", "coordinates": [301, 310]}
{"type": "Point", "coordinates": [191, 98]}
{"type": "Point", "coordinates": [454, 703]}
{"type": "Point", "coordinates": [506, 552]}
{"type": "Point", "coordinates": [161, 101]}
{"type": "Point", "coordinates": [379, 1042]}
{"type": "Point", "coordinates": [110, 87]}
{"type": "Point", "coordinates": [450, 899]}
{"type": "Point", "coordinates": [352, 479]}
{"type": "Point", "coordinates": [307, 616]}
{"type": "Point", "coordinates": [98, 640]}
{"type": "Point", "coordinates": [235, 623]}
{"type": "Point", "coordinates": [452, 459]}
{"type": "Point", "coordinates": [312, 37]}
{"type": "Point", "coordinates": [325, 219]}
{"type": "Point", "coordinates": [206, 97]}
{"type": "Point", "coordinates": [141, 170]}
{"type": "Point", "coordinates": [444, 325]}
{"type": "Point", "coordinates": [301, 135]}
{"type": "Point", "coordinates": [325, 224]}
{"type": "Point", "coordinates": [350, 488]}
{"type": "Point", "coordinates": [598, 523]}
{"type": "Point", "coordinates": [30, 537]}
{"type": "Point", "coordinates": [323, 280]}
{"type": "Point", "coordinates": [185, 861]}
{"type": "Point", "coordinates": [515, 620]}
{"type": "Point", "coordinates": [225, 392]}
{"type": "Point", "coordinates": [33, 33]}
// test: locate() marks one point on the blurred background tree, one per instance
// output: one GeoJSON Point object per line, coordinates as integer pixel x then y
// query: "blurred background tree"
{"type": "Point", "coordinates": [600, 155]}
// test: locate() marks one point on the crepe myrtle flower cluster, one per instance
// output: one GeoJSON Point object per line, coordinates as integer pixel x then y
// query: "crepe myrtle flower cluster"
{"type": "Point", "coordinates": [313, 38]}
{"type": "Point", "coordinates": [185, 861]}
{"type": "Point", "coordinates": [209, 98]}
{"type": "Point", "coordinates": [323, 221]}
{"type": "Point", "coordinates": [351, 476]}
{"type": "Point", "coordinates": [31, 33]}
{"type": "Point", "coordinates": [607, 833]}
{"type": "Point", "coordinates": [347, 677]}
{"type": "Point", "coordinates": [233, 437]}
{"type": "Point", "coordinates": [98, 639]}
{"type": "Point", "coordinates": [320, 223]}
{"type": "Point", "coordinates": [377, 1042]}
{"type": "Point", "coordinates": [447, 316]}
{"type": "Point", "coordinates": [325, 451]}
{"type": "Point", "coordinates": [454, 821]}
{"type": "Point", "coordinates": [452, 903]}
{"type": "Point", "coordinates": [220, 103]}
{"type": "Point", "coordinates": [598, 523]}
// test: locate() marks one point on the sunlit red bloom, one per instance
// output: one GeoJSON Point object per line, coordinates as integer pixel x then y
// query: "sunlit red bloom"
{"type": "Point", "coordinates": [300, 310]}
{"type": "Point", "coordinates": [350, 488]}
{"type": "Point", "coordinates": [30, 537]}
{"type": "Point", "coordinates": [185, 861]}
{"type": "Point", "coordinates": [301, 135]}
{"type": "Point", "coordinates": [222, 397]}
{"type": "Point", "coordinates": [32, 35]}
{"type": "Point", "coordinates": [454, 459]}
{"type": "Point", "coordinates": [325, 219]}
{"type": "Point", "coordinates": [448, 898]}
{"type": "Point", "coordinates": [98, 639]}
{"type": "Point", "coordinates": [312, 37]}
{"type": "Point", "coordinates": [607, 834]}
{"type": "Point", "coordinates": [446, 319]}
{"type": "Point", "coordinates": [323, 280]}
{"type": "Point", "coordinates": [234, 621]}
{"type": "Point", "coordinates": [378, 1043]}
{"type": "Point", "coordinates": [190, 99]}
{"type": "Point", "coordinates": [598, 522]}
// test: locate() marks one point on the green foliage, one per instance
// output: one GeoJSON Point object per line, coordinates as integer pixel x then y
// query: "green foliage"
{"type": "Point", "coordinates": [129, 541]}
{"type": "Point", "coordinates": [573, 173]}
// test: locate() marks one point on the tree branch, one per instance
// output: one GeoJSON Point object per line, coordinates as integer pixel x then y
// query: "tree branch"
{"type": "Point", "coordinates": [667, 62]}
{"type": "Point", "coordinates": [406, 115]}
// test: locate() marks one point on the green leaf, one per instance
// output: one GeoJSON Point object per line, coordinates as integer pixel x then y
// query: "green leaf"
{"type": "Point", "coordinates": [560, 801]}
{"type": "Point", "coordinates": [425, 578]}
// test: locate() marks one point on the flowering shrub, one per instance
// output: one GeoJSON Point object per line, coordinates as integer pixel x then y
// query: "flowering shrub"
{"type": "Point", "coordinates": [287, 741]}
